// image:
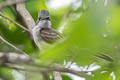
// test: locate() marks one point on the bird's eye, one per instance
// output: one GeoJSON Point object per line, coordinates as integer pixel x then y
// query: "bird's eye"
{"type": "Point", "coordinates": [47, 18]}
{"type": "Point", "coordinates": [39, 18]}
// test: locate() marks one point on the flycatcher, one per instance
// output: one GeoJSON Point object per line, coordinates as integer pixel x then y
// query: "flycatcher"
{"type": "Point", "coordinates": [42, 31]}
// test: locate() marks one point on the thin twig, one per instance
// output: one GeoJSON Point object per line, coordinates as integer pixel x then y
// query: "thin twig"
{"type": "Point", "coordinates": [10, 2]}
{"type": "Point", "coordinates": [17, 49]}
{"type": "Point", "coordinates": [66, 70]}
{"type": "Point", "coordinates": [2, 15]}
{"type": "Point", "coordinates": [49, 69]}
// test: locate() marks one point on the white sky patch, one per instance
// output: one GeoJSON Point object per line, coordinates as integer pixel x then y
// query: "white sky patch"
{"type": "Point", "coordinates": [113, 75]}
{"type": "Point", "coordinates": [105, 3]}
{"type": "Point", "coordinates": [56, 4]}
{"type": "Point", "coordinates": [74, 77]}
{"type": "Point", "coordinates": [93, 67]}
{"type": "Point", "coordinates": [74, 66]}
{"type": "Point", "coordinates": [18, 75]}
{"type": "Point", "coordinates": [77, 5]}
{"type": "Point", "coordinates": [67, 64]}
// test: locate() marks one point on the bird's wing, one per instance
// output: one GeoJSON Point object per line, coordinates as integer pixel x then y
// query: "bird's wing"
{"type": "Point", "coordinates": [105, 57]}
{"type": "Point", "coordinates": [49, 35]}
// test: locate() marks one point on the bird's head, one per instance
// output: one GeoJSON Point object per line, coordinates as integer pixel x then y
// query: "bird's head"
{"type": "Point", "coordinates": [43, 19]}
{"type": "Point", "coordinates": [44, 15]}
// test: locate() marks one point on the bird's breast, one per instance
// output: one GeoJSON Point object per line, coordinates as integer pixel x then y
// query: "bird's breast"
{"type": "Point", "coordinates": [44, 24]}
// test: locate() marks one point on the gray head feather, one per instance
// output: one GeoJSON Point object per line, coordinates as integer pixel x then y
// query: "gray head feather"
{"type": "Point", "coordinates": [43, 14]}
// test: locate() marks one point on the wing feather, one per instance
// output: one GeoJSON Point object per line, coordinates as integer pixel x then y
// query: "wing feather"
{"type": "Point", "coordinates": [49, 35]}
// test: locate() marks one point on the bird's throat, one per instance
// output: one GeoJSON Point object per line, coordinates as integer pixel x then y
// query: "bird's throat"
{"type": "Point", "coordinates": [44, 24]}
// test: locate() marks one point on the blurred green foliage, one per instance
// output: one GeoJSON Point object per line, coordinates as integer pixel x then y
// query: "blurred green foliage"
{"type": "Point", "coordinates": [90, 29]}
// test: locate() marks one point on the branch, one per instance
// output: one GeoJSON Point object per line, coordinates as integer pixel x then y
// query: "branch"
{"type": "Point", "coordinates": [15, 58]}
{"type": "Point", "coordinates": [57, 75]}
{"type": "Point", "coordinates": [2, 15]}
{"type": "Point", "coordinates": [17, 49]}
{"type": "Point", "coordinates": [9, 3]}
{"type": "Point", "coordinates": [27, 18]}
{"type": "Point", "coordinates": [50, 69]}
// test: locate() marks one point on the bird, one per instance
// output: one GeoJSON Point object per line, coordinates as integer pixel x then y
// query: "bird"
{"type": "Point", "coordinates": [42, 31]}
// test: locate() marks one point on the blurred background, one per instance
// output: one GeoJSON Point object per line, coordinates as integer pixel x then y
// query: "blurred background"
{"type": "Point", "coordinates": [89, 27]}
